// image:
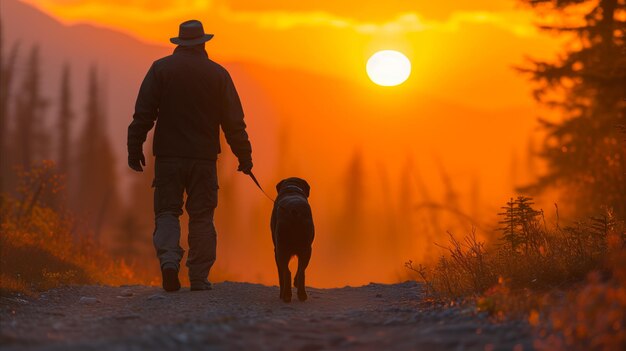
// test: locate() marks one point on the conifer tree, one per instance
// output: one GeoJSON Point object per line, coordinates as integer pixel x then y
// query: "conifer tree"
{"type": "Point", "coordinates": [583, 151]}
{"type": "Point", "coordinates": [7, 70]}
{"type": "Point", "coordinates": [64, 121]}
{"type": "Point", "coordinates": [355, 190]}
{"type": "Point", "coordinates": [96, 196]}
{"type": "Point", "coordinates": [349, 230]}
{"type": "Point", "coordinates": [29, 110]}
{"type": "Point", "coordinates": [519, 224]}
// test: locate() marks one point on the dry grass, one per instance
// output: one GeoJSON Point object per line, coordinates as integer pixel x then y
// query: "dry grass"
{"type": "Point", "coordinates": [592, 316]}
{"type": "Point", "coordinates": [527, 255]}
{"type": "Point", "coordinates": [39, 248]}
{"type": "Point", "coordinates": [570, 282]}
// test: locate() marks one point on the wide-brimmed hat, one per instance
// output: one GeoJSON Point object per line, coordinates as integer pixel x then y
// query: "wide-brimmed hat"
{"type": "Point", "coordinates": [191, 33]}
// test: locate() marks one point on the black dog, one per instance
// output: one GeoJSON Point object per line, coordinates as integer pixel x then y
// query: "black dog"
{"type": "Point", "coordinates": [292, 233]}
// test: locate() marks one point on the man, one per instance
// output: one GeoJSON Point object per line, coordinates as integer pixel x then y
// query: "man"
{"type": "Point", "coordinates": [190, 97]}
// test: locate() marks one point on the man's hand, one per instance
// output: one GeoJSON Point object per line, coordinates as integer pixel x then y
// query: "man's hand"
{"type": "Point", "coordinates": [136, 161]}
{"type": "Point", "coordinates": [245, 166]}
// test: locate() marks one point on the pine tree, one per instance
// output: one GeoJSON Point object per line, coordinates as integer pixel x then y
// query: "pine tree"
{"type": "Point", "coordinates": [406, 205]}
{"type": "Point", "coordinates": [354, 202]}
{"type": "Point", "coordinates": [96, 196]}
{"type": "Point", "coordinates": [7, 71]}
{"type": "Point", "coordinates": [520, 224]}
{"type": "Point", "coordinates": [587, 85]}
{"type": "Point", "coordinates": [349, 231]}
{"type": "Point", "coordinates": [64, 121]}
{"type": "Point", "coordinates": [29, 111]}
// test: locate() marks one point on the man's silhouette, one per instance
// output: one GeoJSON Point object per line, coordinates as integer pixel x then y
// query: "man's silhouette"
{"type": "Point", "coordinates": [190, 97]}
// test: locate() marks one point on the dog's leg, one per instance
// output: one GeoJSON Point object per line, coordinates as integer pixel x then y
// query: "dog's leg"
{"type": "Point", "coordinates": [299, 281]}
{"type": "Point", "coordinates": [281, 283]}
{"type": "Point", "coordinates": [285, 277]}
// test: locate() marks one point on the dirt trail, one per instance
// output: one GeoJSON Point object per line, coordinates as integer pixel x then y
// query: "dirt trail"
{"type": "Point", "coordinates": [242, 316]}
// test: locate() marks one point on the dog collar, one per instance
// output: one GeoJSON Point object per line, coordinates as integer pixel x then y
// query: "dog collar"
{"type": "Point", "coordinates": [294, 187]}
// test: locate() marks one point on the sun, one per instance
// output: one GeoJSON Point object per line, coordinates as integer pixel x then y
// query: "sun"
{"type": "Point", "coordinates": [388, 68]}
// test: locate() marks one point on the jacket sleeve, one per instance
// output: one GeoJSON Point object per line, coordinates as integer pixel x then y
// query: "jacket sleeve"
{"type": "Point", "coordinates": [146, 112]}
{"type": "Point", "coordinates": [233, 124]}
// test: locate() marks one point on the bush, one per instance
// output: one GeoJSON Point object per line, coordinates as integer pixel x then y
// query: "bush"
{"type": "Point", "coordinates": [527, 271]}
{"type": "Point", "coordinates": [528, 254]}
{"type": "Point", "coordinates": [593, 316]}
{"type": "Point", "coordinates": [39, 246]}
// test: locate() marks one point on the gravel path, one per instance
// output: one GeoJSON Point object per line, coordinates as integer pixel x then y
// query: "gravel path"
{"type": "Point", "coordinates": [242, 316]}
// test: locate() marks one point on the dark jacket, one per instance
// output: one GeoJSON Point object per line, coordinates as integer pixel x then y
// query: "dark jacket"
{"type": "Point", "coordinates": [190, 97]}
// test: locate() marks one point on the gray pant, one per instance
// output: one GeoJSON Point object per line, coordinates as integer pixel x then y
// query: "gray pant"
{"type": "Point", "coordinates": [173, 177]}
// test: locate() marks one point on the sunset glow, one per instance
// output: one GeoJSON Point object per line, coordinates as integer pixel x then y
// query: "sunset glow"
{"type": "Point", "coordinates": [323, 174]}
{"type": "Point", "coordinates": [310, 76]}
{"type": "Point", "coordinates": [388, 68]}
{"type": "Point", "coordinates": [339, 38]}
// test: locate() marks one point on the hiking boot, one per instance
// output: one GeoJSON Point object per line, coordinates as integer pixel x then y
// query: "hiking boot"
{"type": "Point", "coordinates": [202, 286]}
{"type": "Point", "coordinates": [170, 279]}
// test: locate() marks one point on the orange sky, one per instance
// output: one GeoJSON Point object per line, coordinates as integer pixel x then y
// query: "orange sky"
{"type": "Point", "coordinates": [452, 44]}
{"type": "Point", "coordinates": [463, 112]}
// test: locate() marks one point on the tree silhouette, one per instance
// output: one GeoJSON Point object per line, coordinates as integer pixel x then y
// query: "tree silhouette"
{"type": "Point", "coordinates": [583, 151]}
{"type": "Point", "coordinates": [354, 202]}
{"type": "Point", "coordinates": [64, 120]}
{"type": "Point", "coordinates": [349, 232]}
{"type": "Point", "coordinates": [96, 196]}
{"type": "Point", "coordinates": [29, 110]}
{"type": "Point", "coordinates": [520, 220]}
{"type": "Point", "coordinates": [7, 71]}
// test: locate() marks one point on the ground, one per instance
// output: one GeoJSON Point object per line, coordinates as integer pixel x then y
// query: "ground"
{"type": "Point", "coordinates": [243, 316]}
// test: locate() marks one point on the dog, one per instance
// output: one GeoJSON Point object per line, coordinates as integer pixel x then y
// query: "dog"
{"type": "Point", "coordinates": [292, 234]}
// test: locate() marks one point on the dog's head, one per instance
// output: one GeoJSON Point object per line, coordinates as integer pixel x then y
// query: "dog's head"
{"type": "Point", "coordinates": [294, 184]}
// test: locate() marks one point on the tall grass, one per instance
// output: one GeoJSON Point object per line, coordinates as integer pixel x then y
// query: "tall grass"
{"type": "Point", "coordinates": [527, 254]}
{"type": "Point", "coordinates": [40, 246]}
{"type": "Point", "coordinates": [570, 282]}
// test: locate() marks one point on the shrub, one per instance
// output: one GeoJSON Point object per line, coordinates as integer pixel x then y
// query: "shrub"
{"type": "Point", "coordinates": [526, 255]}
{"type": "Point", "coordinates": [593, 316]}
{"type": "Point", "coordinates": [526, 271]}
{"type": "Point", "coordinates": [39, 246]}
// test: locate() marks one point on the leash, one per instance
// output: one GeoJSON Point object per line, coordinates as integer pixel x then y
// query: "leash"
{"type": "Point", "coordinates": [266, 195]}
{"type": "Point", "coordinates": [259, 186]}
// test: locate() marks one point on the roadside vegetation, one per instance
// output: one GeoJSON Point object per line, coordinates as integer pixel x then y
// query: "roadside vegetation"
{"type": "Point", "coordinates": [43, 246]}
{"type": "Point", "coordinates": [569, 281]}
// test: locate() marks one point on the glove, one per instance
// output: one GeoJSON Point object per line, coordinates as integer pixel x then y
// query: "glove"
{"type": "Point", "coordinates": [136, 161]}
{"type": "Point", "coordinates": [245, 166]}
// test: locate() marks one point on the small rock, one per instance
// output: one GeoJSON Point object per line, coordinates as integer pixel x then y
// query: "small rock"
{"type": "Point", "coordinates": [126, 293]}
{"type": "Point", "coordinates": [417, 317]}
{"type": "Point", "coordinates": [182, 337]}
{"type": "Point", "coordinates": [156, 297]}
{"type": "Point", "coordinates": [85, 300]}
{"type": "Point", "coordinates": [279, 321]}
{"type": "Point", "coordinates": [394, 321]}
{"type": "Point", "coordinates": [225, 328]}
